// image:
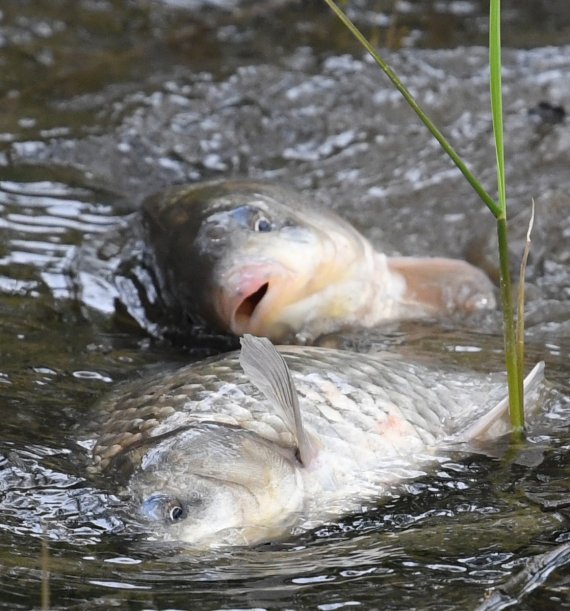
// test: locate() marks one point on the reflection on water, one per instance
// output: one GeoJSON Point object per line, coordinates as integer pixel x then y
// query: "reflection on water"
{"type": "Point", "coordinates": [103, 102]}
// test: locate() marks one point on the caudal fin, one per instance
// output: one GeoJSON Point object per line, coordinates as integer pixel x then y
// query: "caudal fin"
{"type": "Point", "coordinates": [438, 285]}
{"type": "Point", "coordinates": [496, 422]}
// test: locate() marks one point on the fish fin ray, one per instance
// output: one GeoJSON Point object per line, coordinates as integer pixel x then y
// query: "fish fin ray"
{"type": "Point", "coordinates": [269, 373]}
{"type": "Point", "coordinates": [496, 422]}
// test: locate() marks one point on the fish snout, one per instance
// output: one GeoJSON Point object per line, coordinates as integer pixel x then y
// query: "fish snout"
{"type": "Point", "coordinates": [251, 298]}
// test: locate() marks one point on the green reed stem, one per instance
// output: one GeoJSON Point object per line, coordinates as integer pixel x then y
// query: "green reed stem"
{"type": "Point", "coordinates": [499, 209]}
{"type": "Point", "coordinates": [514, 368]}
{"type": "Point", "coordinates": [487, 199]}
{"type": "Point", "coordinates": [516, 408]}
{"type": "Point", "coordinates": [497, 99]}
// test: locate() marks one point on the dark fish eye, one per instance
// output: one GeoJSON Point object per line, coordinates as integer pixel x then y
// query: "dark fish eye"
{"type": "Point", "coordinates": [261, 224]}
{"type": "Point", "coordinates": [176, 513]}
{"type": "Point", "coordinates": [163, 507]}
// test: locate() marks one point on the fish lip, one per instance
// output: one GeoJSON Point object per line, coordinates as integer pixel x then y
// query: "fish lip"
{"type": "Point", "coordinates": [245, 299]}
{"type": "Point", "coordinates": [247, 308]}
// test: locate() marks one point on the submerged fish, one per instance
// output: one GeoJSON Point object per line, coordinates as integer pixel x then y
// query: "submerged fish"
{"type": "Point", "coordinates": [249, 257]}
{"type": "Point", "coordinates": [252, 446]}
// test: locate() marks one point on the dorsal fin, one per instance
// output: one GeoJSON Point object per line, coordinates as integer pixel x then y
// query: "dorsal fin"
{"type": "Point", "coordinates": [268, 371]}
{"type": "Point", "coordinates": [496, 422]}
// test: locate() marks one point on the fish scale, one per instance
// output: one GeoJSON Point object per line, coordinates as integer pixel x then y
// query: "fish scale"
{"type": "Point", "coordinates": [250, 446]}
{"type": "Point", "coordinates": [433, 402]}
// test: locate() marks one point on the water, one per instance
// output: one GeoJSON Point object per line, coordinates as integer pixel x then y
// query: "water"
{"type": "Point", "coordinates": [105, 102]}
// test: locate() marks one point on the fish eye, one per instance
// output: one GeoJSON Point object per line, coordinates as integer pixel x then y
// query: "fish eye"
{"type": "Point", "coordinates": [164, 508]}
{"type": "Point", "coordinates": [261, 223]}
{"type": "Point", "coordinates": [176, 513]}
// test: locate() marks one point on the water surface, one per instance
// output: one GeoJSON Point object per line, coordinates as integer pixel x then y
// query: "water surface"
{"type": "Point", "coordinates": [105, 102]}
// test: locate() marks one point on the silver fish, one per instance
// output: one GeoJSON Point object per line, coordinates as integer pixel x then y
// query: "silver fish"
{"type": "Point", "coordinates": [249, 257]}
{"type": "Point", "coordinates": [248, 447]}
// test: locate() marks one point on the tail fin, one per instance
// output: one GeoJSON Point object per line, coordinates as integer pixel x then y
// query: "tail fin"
{"type": "Point", "coordinates": [496, 422]}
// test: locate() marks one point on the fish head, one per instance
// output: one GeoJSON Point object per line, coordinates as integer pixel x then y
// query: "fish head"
{"type": "Point", "coordinates": [249, 257]}
{"type": "Point", "coordinates": [214, 485]}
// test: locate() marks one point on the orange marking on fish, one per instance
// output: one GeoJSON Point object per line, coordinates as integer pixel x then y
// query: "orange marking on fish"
{"type": "Point", "coordinates": [392, 425]}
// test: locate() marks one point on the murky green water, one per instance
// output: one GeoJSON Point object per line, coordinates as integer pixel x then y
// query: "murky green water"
{"type": "Point", "coordinates": [102, 102]}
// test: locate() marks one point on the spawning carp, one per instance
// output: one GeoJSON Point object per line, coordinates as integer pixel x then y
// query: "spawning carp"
{"type": "Point", "coordinates": [256, 258]}
{"type": "Point", "coordinates": [252, 446]}
{"type": "Point", "coordinates": [248, 257]}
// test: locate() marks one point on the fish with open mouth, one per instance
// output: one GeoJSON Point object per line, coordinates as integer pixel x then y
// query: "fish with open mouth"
{"type": "Point", "coordinates": [250, 447]}
{"type": "Point", "coordinates": [240, 256]}
{"type": "Point", "coordinates": [257, 258]}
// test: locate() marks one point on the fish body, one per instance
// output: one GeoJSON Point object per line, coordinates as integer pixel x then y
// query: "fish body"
{"type": "Point", "coordinates": [251, 257]}
{"type": "Point", "coordinates": [252, 446]}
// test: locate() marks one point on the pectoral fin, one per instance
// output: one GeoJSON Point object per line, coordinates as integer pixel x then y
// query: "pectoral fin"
{"type": "Point", "coordinates": [442, 285]}
{"type": "Point", "coordinates": [496, 422]}
{"type": "Point", "coordinates": [268, 371]}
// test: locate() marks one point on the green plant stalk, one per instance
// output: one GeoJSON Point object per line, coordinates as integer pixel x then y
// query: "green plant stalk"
{"type": "Point", "coordinates": [514, 368]}
{"type": "Point", "coordinates": [487, 199]}
{"type": "Point", "coordinates": [499, 210]}
{"type": "Point", "coordinates": [514, 377]}
{"type": "Point", "coordinates": [497, 98]}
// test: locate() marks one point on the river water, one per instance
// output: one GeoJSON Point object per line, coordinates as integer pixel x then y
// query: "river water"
{"type": "Point", "coordinates": [106, 101]}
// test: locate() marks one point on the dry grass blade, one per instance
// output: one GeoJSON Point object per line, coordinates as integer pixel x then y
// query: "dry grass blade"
{"type": "Point", "coordinates": [520, 297]}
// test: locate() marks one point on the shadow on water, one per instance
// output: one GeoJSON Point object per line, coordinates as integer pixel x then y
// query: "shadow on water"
{"type": "Point", "coordinates": [105, 102]}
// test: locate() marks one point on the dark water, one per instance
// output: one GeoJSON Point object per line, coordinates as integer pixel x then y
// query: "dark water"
{"type": "Point", "coordinates": [103, 102]}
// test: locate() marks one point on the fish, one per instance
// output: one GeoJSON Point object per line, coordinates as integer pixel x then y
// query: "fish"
{"type": "Point", "coordinates": [268, 442]}
{"type": "Point", "coordinates": [251, 257]}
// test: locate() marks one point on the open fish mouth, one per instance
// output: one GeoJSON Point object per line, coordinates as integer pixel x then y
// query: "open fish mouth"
{"type": "Point", "coordinates": [247, 308]}
{"type": "Point", "coordinates": [273, 299]}
{"type": "Point", "coordinates": [251, 295]}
